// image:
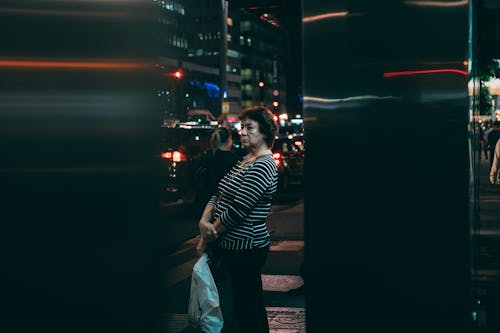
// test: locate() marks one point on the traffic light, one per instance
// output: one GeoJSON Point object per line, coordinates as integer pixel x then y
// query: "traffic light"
{"type": "Point", "coordinates": [261, 84]}
{"type": "Point", "coordinates": [178, 74]}
{"type": "Point", "coordinates": [276, 104]}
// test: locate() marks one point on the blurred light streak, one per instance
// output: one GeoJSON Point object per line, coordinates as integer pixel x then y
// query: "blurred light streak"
{"type": "Point", "coordinates": [429, 71]}
{"type": "Point", "coordinates": [438, 3]}
{"type": "Point", "coordinates": [323, 16]}
{"type": "Point", "coordinates": [107, 65]}
{"type": "Point", "coordinates": [325, 103]}
{"type": "Point", "coordinates": [348, 99]}
{"type": "Point", "coordinates": [112, 169]}
{"type": "Point", "coordinates": [65, 13]}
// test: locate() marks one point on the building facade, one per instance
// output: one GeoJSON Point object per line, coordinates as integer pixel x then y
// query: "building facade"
{"type": "Point", "coordinates": [262, 63]}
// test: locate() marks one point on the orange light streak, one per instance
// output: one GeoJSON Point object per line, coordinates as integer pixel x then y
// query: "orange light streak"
{"type": "Point", "coordinates": [323, 16]}
{"type": "Point", "coordinates": [66, 13]}
{"type": "Point", "coordinates": [109, 65]}
{"type": "Point", "coordinates": [428, 71]}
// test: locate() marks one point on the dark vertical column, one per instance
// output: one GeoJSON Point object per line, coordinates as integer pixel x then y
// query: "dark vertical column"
{"type": "Point", "coordinates": [79, 233]}
{"type": "Point", "coordinates": [386, 206]}
{"type": "Point", "coordinates": [223, 53]}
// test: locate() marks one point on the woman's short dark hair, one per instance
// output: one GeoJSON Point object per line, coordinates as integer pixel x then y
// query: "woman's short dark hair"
{"type": "Point", "coordinates": [264, 117]}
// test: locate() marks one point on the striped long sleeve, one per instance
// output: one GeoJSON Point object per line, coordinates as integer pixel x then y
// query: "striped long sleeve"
{"type": "Point", "coordinates": [245, 195]}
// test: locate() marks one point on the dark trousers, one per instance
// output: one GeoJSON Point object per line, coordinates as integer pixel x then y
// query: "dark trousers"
{"type": "Point", "coordinates": [244, 269]}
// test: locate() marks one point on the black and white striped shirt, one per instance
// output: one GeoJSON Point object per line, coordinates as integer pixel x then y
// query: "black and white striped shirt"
{"type": "Point", "coordinates": [245, 194]}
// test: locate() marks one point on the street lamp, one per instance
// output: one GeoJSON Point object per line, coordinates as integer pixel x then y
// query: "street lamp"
{"type": "Point", "coordinates": [261, 85]}
{"type": "Point", "coordinates": [175, 88]}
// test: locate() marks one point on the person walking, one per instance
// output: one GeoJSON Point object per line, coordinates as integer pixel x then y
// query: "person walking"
{"type": "Point", "coordinates": [492, 139]}
{"type": "Point", "coordinates": [483, 139]}
{"type": "Point", "coordinates": [234, 219]}
{"type": "Point", "coordinates": [495, 166]}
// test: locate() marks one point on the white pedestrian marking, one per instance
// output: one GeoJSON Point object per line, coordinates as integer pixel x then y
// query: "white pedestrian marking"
{"type": "Point", "coordinates": [280, 282]}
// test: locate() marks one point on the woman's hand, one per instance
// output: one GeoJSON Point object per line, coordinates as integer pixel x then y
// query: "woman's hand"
{"type": "Point", "coordinates": [207, 231]}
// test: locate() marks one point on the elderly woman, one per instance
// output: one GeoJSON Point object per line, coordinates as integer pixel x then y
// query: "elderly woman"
{"type": "Point", "coordinates": [235, 218]}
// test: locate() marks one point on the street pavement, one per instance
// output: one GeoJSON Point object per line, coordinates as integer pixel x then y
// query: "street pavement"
{"type": "Point", "coordinates": [486, 282]}
{"type": "Point", "coordinates": [286, 313]}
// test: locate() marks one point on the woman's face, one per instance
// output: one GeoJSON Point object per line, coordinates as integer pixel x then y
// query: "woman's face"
{"type": "Point", "coordinates": [251, 137]}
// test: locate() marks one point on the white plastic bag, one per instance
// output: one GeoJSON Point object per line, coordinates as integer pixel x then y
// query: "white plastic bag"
{"type": "Point", "coordinates": [204, 310]}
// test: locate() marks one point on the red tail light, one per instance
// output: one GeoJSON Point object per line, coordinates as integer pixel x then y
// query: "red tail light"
{"type": "Point", "coordinates": [174, 156]}
{"type": "Point", "coordinates": [277, 158]}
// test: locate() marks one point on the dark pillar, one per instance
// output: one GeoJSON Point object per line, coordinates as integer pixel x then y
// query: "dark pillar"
{"type": "Point", "coordinates": [385, 102]}
{"type": "Point", "coordinates": [79, 128]}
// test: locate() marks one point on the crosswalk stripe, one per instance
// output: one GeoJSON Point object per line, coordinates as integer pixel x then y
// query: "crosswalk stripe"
{"type": "Point", "coordinates": [286, 320]}
{"type": "Point", "coordinates": [291, 246]}
{"type": "Point", "coordinates": [280, 282]}
{"type": "Point", "coordinates": [175, 322]}
{"type": "Point", "coordinates": [179, 273]}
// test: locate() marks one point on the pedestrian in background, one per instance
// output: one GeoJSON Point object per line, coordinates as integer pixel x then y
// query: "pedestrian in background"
{"type": "Point", "coordinates": [495, 166]}
{"type": "Point", "coordinates": [221, 158]}
{"type": "Point", "coordinates": [492, 138]}
{"type": "Point", "coordinates": [235, 218]}
{"type": "Point", "coordinates": [483, 143]}
{"type": "Point", "coordinates": [215, 162]}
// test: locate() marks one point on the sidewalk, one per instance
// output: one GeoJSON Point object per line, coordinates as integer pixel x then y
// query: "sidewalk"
{"type": "Point", "coordinates": [486, 284]}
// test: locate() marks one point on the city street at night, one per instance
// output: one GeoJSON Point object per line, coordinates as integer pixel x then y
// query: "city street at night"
{"type": "Point", "coordinates": [362, 136]}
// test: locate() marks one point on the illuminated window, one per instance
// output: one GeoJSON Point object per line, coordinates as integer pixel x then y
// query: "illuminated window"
{"type": "Point", "coordinates": [247, 89]}
{"type": "Point", "coordinates": [233, 54]}
{"type": "Point", "coordinates": [246, 74]}
{"type": "Point", "coordinates": [245, 26]}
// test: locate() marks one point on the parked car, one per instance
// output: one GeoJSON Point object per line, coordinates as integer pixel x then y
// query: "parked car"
{"type": "Point", "coordinates": [181, 148]}
{"type": "Point", "coordinates": [289, 158]}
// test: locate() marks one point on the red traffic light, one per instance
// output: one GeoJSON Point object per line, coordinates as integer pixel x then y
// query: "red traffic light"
{"type": "Point", "coordinates": [261, 84]}
{"type": "Point", "coordinates": [178, 74]}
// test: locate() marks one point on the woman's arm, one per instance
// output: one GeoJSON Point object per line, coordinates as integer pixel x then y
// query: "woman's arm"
{"type": "Point", "coordinates": [496, 163]}
{"type": "Point", "coordinates": [207, 230]}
